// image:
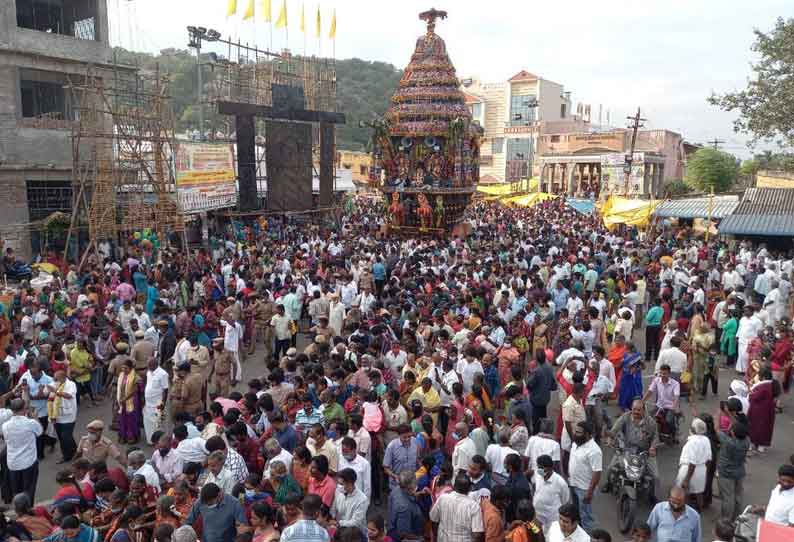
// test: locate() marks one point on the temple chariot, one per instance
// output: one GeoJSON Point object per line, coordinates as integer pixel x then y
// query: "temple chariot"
{"type": "Point", "coordinates": [426, 148]}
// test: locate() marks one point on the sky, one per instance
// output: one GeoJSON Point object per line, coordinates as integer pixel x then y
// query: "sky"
{"type": "Point", "coordinates": [664, 56]}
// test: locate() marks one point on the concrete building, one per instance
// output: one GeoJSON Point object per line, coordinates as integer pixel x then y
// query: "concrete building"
{"type": "Point", "coordinates": [514, 114]}
{"type": "Point", "coordinates": [593, 164]}
{"type": "Point", "coordinates": [357, 162]}
{"type": "Point", "coordinates": [42, 43]}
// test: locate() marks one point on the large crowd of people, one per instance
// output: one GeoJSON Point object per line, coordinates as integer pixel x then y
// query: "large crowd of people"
{"type": "Point", "coordinates": [395, 388]}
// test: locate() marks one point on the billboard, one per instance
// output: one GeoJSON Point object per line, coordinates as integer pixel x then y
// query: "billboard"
{"type": "Point", "coordinates": [613, 176]}
{"type": "Point", "coordinates": [205, 176]}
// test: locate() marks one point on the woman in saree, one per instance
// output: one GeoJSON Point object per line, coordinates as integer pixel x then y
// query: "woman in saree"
{"type": "Point", "coordinates": [728, 339]}
{"type": "Point", "coordinates": [762, 411]}
{"type": "Point", "coordinates": [782, 355]}
{"type": "Point", "coordinates": [701, 341]}
{"type": "Point", "coordinates": [283, 484]}
{"type": "Point", "coordinates": [124, 528]}
{"type": "Point", "coordinates": [128, 398]}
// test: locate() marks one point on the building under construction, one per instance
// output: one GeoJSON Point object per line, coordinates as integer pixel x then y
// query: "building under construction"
{"type": "Point", "coordinates": [43, 45]}
{"type": "Point", "coordinates": [122, 145]}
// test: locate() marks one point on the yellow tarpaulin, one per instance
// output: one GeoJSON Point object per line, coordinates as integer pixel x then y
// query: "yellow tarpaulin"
{"type": "Point", "coordinates": [632, 212]}
{"type": "Point", "coordinates": [528, 200]}
{"type": "Point", "coordinates": [504, 189]}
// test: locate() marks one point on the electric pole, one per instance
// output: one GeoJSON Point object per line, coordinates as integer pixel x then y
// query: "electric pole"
{"type": "Point", "coordinates": [716, 143]}
{"type": "Point", "coordinates": [636, 124]}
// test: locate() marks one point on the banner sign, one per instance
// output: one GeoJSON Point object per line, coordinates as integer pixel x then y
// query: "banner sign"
{"type": "Point", "coordinates": [205, 176]}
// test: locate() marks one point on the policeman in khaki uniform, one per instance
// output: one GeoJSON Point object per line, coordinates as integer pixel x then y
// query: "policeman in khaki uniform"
{"type": "Point", "coordinates": [97, 447]}
{"type": "Point", "coordinates": [223, 369]}
{"type": "Point", "coordinates": [262, 310]}
{"type": "Point", "coordinates": [177, 391]}
{"type": "Point", "coordinates": [192, 390]}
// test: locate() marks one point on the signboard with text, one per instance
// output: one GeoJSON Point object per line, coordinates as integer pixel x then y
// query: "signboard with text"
{"type": "Point", "coordinates": [205, 176]}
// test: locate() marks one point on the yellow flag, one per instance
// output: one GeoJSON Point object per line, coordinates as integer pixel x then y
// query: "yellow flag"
{"type": "Point", "coordinates": [282, 16]}
{"type": "Point", "coordinates": [317, 26]}
{"type": "Point", "coordinates": [232, 9]}
{"type": "Point", "coordinates": [332, 32]}
{"type": "Point", "coordinates": [249, 11]}
{"type": "Point", "coordinates": [303, 21]}
{"type": "Point", "coordinates": [266, 11]}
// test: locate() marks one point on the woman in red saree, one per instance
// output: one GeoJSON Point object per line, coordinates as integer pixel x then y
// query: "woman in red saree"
{"type": "Point", "coordinates": [781, 355]}
{"type": "Point", "coordinates": [762, 411]}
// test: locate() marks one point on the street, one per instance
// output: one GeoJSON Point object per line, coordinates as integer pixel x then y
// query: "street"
{"type": "Point", "coordinates": [761, 475]}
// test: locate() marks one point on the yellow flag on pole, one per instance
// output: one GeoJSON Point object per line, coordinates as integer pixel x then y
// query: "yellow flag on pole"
{"type": "Point", "coordinates": [318, 26]}
{"type": "Point", "coordinates": [232, 9]}
{"type": "Point", "coordinates": [332, 32]}
{"type": "Point", "coordinates": [267, 11]}
{"type": "Point", "coordinates": [303, 20]}
{"type": "Point", "coordinates": [282, 16]}
{"type": "Point", "coordinates": [249, 10]}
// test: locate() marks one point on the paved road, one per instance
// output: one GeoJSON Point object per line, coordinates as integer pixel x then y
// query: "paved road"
{"type": "Point", "coordinates": [762, 471]}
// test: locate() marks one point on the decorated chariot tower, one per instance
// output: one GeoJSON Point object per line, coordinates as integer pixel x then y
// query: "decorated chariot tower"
{"type": "Point", "coordinates": [426, 148]}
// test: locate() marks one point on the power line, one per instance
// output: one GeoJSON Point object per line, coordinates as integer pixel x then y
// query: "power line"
{"type": "Point", "coordinates": [636, 124]}
{"type": "Point", "coordinates": [716, 143]}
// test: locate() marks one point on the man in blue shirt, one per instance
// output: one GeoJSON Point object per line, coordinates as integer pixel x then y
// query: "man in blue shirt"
{"type": "Point", "coordinates": [379, 276]}
{"type": "Point", "coordinates": [223, 517]}
{"type": "Point", "coordinates": [405, 517]}
{"type": "Point", "coordinates": [401, 455]}
{"type": "Point", "coordinates": [673, 520]}
{"type": "Point", "coordinates": [285, 433]}
{"type": "Point", "coordinates": [38, 383]}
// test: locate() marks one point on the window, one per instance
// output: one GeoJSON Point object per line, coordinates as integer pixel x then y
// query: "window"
{"type": "Point", "coordinates": [76, 18]}
{"type": "Point", "coordinates": [43, 95]}
{"type": "Point", "coordinates": [519, 158]}
{"type": "Point", "coordinates": [362, 169]}
{"type": "Point", "coordinates": [497, 145]}
{"type": "Point", "coordinates": [476, 111]}
{"type": "Point", "coordinates": [555, 139]}
{"type": "Point", "coordinates": [563, 110]}
{"type": "Point", "coordinates": [522, 110]}
{"type": "Point", "coordinates": [46, 197]}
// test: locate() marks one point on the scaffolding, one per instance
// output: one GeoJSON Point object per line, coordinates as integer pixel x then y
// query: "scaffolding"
{"type": "Point", "coordinates": [122, 144]}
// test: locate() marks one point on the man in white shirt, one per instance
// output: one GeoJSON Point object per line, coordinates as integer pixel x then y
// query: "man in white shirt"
{"type": "Point", "coordinates": [584, 470]}
{"type": "Point", "coordinates": [749, 328]}
{"type": "Point", "coordinates": [396, 359]}
{"type": "Point", "coordinates": [495, 454]}
{"type": "Point", "coordinates": [232, 339]}
{"type": "Point", "coordinates": [551, 492]}
{"type": "Point", "coordinates": [467, 368]}
{"type": "Point", "coordinates": [274, 452]}
{"type": "Point", "coordinates": [458, 516]}
{"type": "Point", "coordinates": [350, 505]}
{"type": "Point", "coordinates": [137, 462]}
{"type": "Point", "coordinates": [464, 449]}
{"type": "Point", "coordinates": [674, 357]}
{"type": "Point", "coordinates": [192, 450]}
{"type": "Point", "coordinates": [66, 402]}
{"type": "Point", "coordinates": [217, 474]}
{"type": "Point", "coordinates": [155, 395]}
{"type": "Point", "coordinates": [780, 508]}
{"type": "Point", "coordinates": [542, 443]}
{"type": "Point", "coordinates": [20, 433]}
{"type": "Point", "coordinates": [350, 459]}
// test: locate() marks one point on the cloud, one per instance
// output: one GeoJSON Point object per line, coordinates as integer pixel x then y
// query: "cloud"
{"type": "Point", "coordinates": [666, 56]}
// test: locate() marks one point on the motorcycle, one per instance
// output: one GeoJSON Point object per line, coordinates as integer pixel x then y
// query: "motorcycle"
{"type": "Point", "coordinates": [668, 433]}
{"type": "Point", "coordinates": [628, 483]}
{"type": "Point", "coordinates": [746, 526]}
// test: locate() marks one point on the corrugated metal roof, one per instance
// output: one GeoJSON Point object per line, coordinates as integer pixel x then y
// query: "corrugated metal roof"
{"type": "Point", "coordinates": [721, 207]}
{"type": "Point", "coordinates": [762, 211]}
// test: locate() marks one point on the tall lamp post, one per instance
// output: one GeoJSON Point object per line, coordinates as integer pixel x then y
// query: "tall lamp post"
{"type": "Point", "coordinates": [197, 34]}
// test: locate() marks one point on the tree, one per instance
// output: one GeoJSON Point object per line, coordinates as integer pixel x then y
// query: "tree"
{"type": "Point", "coordinates": [710, 168]}
{"type": "Point", "coordinates": [766, 106]}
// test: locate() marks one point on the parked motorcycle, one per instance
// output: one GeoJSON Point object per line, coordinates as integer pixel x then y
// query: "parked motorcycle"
{"type": "Point", "coordinates": [629, 483]}
{"type": "Point", "coordinates": [746, 526]}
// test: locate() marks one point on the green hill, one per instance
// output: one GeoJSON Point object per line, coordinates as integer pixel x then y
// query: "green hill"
{"type": "Point", "coordinates": [363, 91]}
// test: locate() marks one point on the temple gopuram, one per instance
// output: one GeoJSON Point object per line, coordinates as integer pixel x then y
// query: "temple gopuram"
{"type": "Point", "coordinates": [426, 148]}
